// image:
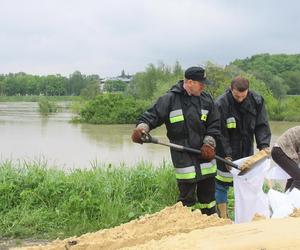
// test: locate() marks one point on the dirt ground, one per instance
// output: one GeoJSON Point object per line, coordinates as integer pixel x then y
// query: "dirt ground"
{"type": "Point", "coordinates": [177, 227]}
{"type": "Point", "coordinates": [6, 244]}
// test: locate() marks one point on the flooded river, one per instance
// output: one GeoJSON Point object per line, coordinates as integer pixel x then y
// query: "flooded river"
{"type": "Point", "coordinates": [25, 135]}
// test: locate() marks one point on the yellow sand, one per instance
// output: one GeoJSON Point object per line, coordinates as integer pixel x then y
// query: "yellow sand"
{"type": "Point", "coordinates": [177, 227]}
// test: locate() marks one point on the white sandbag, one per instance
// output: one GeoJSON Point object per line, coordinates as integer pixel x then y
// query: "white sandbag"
{"type": "Point", "coordinates": [277, 173]}
{"type": "Point", "coordinates": [249, 196]}
{"type": "Point", "coordinates": [280, 204]}
{"type": "Point", "coordinates": [294, 197]}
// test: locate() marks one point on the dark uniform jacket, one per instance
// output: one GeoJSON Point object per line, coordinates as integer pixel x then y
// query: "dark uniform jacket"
{"type": "Point", "coordinates": [188, 119]}
{"type": "Point", "coordinates": [240, 122]}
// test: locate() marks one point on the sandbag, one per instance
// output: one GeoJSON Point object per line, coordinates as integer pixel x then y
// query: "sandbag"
{"type": "Point", "coordinates": [294, 197]}
{"type": "Point", "coordinates": [249, 196]}
{"type": "Point", "coordinates": [280, 204]}
{"type": "Point", "coordinates": [277, 173]}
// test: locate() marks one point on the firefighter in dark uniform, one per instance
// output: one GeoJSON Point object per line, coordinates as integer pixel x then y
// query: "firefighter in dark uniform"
{"type": "Point", "coordinates": [192, 120]}
{"type": "Point", "coordinates": [243, 116]}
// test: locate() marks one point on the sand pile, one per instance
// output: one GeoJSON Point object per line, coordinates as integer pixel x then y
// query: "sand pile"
{"type": "Point", "coordinates": [177, 227]}
{"type": "Point", "coordinates": [259, 235]}
{"type": "Point", "coordinates": [258, 217]}
{"type": "Point", "coordinates": [169, 221]}
{"type": "Point", "coordinates": [296, 213]}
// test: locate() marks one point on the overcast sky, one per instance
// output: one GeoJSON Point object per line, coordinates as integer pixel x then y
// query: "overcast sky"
{"type": "Point", "coordinates": [104, 37]}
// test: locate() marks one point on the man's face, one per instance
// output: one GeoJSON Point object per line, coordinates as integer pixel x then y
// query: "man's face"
{"type": "Point", "coordinates": [239, 96]}
{"type": "Point", "coordinates": [196, 87]}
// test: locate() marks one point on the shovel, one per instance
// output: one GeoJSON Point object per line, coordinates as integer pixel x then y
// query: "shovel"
{"type": "Point", "coordinates": [147, 138]}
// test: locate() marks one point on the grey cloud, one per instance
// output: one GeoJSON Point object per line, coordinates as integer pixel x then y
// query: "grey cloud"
{"type": "Point", "coordinates": [104, 37]}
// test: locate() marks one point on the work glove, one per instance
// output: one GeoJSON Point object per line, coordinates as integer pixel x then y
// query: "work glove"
{"type": "Point", "coordinates": [228, 167]}
{"type": "Point", "coordinates": [264, 153]}
{"type": "Point", "coordinates": [267, 150]}
{"type": "Point", "coordinates": [207, 152]}
{"type": "Point", "coordinates": [137, 133]}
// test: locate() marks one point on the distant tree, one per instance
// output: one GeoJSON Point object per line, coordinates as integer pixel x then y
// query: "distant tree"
{"type": "Point", "coordinates": [220, 79]}
{"type": "Point", "coordinates": [76, 83]}
{"type": "Point", "coordinates": [2, 87]}
{"type": "Point", "coordinates": [177, 70]}
{"type": "Point", "coordinates": [292, 79]}
{"type": "Point", "coordinates": [90, 91]}
{"type": "Point", "coordinates": [12, 87]}
{"type": "Point", "coordinates": [94, 77]}
{"type": "Point", "coordinates": [274, 82]}
{"type": "Point", "coordinates": [274, 71]}
{"type": "Point", "coordinates": [53, 85]}
{"type": "Point", "coordinates": [145, 84]}
{"type": "Point", "coordinates": [114, 86]}
{"type": "Point", "coordinates": [110, 108]}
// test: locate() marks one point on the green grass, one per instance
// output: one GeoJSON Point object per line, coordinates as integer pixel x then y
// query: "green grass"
{"type": "Point", "coordinates": [37, 201]}
{"type": "Point", "coordinates": [231, 203]}
{"type": "Point", "coordinates": [41, 202]}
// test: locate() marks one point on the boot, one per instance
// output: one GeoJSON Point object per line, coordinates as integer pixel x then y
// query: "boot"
{"type": "Point", "coordinates": [222, 210]}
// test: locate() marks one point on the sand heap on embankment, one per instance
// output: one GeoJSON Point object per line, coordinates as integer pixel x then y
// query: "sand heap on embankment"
{"type": "Point", "coordinates": [169, 221]}
{"type": "Point", "coordinates": [177, 227]}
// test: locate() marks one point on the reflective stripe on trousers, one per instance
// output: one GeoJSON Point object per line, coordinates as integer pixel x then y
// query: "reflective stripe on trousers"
{"type": "Point", "coordinates": [185, 173]}
{"type": "Point", "coordinates": [204, 205]}
{"type": "Point", "coordinates": [208, 167]}
{"type": "Point", "coordinates": [224, 176]}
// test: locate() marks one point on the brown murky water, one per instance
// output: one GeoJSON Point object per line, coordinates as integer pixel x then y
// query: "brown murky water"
{"type": "Point", "coordinates": [27, 136]}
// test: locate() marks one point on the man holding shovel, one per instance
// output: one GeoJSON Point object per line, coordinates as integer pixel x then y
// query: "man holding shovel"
{"type": "Point", "coordinates": [243, 116]}
{"type": "Point", "coordinates": [192, 120]}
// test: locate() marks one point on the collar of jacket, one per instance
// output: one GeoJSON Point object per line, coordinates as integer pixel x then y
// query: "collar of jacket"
{"type": "Point", "coordinates": [178, 88]}
{"type": "Point", "coordinates": [245, 107]}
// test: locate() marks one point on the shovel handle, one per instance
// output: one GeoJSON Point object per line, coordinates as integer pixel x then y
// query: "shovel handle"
{"type": "Point", "coordinates": [147, 138]}
{"type": "Point", "coordinates": [230, 163]}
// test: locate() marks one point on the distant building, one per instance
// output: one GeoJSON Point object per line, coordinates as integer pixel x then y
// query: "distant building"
{"type": "Point", "coordinates": [123, 77]}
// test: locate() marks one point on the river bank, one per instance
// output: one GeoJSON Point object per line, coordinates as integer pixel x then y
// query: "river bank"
{"type": "Point", "coordinates": [6, 244]}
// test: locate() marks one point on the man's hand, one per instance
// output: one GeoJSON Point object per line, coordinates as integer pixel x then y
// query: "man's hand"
{"type": "Point", "coordinates": [207, 152]}
{"type": "Point", "coordinates": [137, 135]}
{"type": "Point", "coordinates": [228, 167]}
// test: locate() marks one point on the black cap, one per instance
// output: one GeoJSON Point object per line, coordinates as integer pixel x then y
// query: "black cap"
{"type": "Point", "coordinates": [197, 74]}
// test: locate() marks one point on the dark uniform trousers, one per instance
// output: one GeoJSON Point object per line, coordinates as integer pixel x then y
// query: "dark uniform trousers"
{"type": "Point", "coordinates": [205, 192]}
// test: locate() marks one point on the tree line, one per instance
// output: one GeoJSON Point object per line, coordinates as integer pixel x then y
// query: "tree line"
{"type": "Point", "coordinates": [278, 74]}
{"type": "Point", "coordinates": [154, 81]}
{"type": "Point", "coordinates": [13, 84]}
{"type": "Point", "coordinates": [281, 73]}
{"type": "Point", "coordinates": [275, 77]}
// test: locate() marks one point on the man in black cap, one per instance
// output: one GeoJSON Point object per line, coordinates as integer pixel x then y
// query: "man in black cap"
{"type": "Point", "coordinates": [192, 120]}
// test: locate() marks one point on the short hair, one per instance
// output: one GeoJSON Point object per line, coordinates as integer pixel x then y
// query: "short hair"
{"type": "Point", "coordinates": [240, 83]}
